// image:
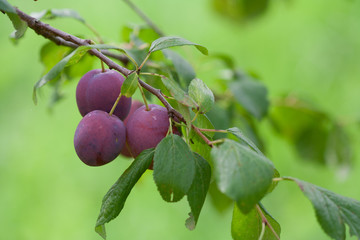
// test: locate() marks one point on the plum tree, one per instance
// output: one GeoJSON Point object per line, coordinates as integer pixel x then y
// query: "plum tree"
{"type": "Point", "coordinates": [99, 138]}
{"type": "Point", "coordinates": [134, 106]}
{"type": "Point", "coordinates": [210, 151]}
{"type": "Point", "coordinates": [98, 90]}
{"type": "Point", "coordinates": [146, 128]}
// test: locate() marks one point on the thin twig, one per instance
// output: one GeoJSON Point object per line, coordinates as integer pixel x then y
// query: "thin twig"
{"type": "Point", "coordinates": [157, 92]}
{"type": "Point", "coordinates": [206, 140]}
{"type": "Point", "coordinates": [121, 58]}
{"type": "Point", "coordinates": [61, 37]}
{"type": "Point", "coordinates": [144, 17]}
{"type": "Point", "coordinates": [143, 96]}
{"type": "Point", "coordinates": [46, 30]}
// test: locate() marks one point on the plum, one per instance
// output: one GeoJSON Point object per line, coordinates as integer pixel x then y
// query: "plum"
{"type": "Point", "coordinates": [134, 105]}
{"type": "Point", "coordinates": [146, 128]}
{"type": "Point", "coordinates": [98, 90]}
{"type": "Point", "coordinates": [99, 138]}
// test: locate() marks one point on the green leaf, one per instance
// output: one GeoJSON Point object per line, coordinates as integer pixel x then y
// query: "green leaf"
{"type": "Point", "coordinates": [81, 68]}
{"type": "Point", "coordinates": [50, 54]}
{"type": "Point", "coordinates": [68, 13]}
{"type": "Point", "coordinates": [249, 226]}
{"type": "Point", "coordinates": [239, 134]}
{"type": "Point", "coordinates": [167, 42]}
{"type": "Point", "coordinates": [202, 95]}
{"type": "Point", "coordinates": [55, 13]}
{"type": "Point", "coordinates": [292, 116]}
{"type": "Point", "coordinates": [198, 190]}
{"type": "Point", "coordinates": [220, 116]}
{"type": "Point", "coordinates": [182, 66]}
{"type": "Point", "coordinates": [198, 145]}
{"type": "Point", "coordinates": [333, 211]}
{"type": "Point", "coordinates": [338, 147]}
{"type": "Point", "coordinates": [56, 94]}
{"type": "Point", "coordinates": [69, 60]}
{"type": "Point", "coordinates": [252, 95]}
{"type": "Point", "coordinates": [142, 31]}
{"type": "Point", "coordinates": [248, 124]}
{"type": "Point", "coordinates": [185, 112]}
{"type": "Point", "coordinates": [305, 127]}
{"type": "Point", "coordinates": [241, 174]}
{"type": "Point", "coordinates": [19, 25]}
{"type": "Point", "coordinates": [202, 121]}
{"type": "Point", "coordinates": [179, 94]}
{"type": "Point", "coordinates": [220, 201]}
{"type": "Point", "coordinates": [138, 55]}
{"type": "Point", "coordinates": [130, 85]}
{"type": "Point", "coordinates": [274, 183]}
{"type": "Point", "coordinates": [226, 59]}
{"type": "Point", "coordinates": [174, 168]}
{"type": "Point", "coordinates": [6, 7]}
{"type": "Point", "coordinates": [114, 200]}
{"type": "Point", "coordinates": [311, 144]}
{"type": "Point", "coordinates": [240, 10]}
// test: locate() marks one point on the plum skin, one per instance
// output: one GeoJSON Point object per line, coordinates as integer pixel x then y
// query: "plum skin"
{"type": "Point", "coordinates": [99, 138]}
{"type": "Point", "coordinates": [134, 106]}
{"type": "Point", "coordinates": [99, 90]}
{"type": "Point", "coordinates": [145, 129]}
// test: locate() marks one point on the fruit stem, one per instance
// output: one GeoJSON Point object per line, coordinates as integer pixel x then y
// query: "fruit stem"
{"type": "Point", "coordinates": [102, 66]}
{"type": "Point", "coordinates": [170, 130]}
{"type": "Point", "coordinates": [143, 96]}
{"type": "Point", "coordinates": [115, 104]}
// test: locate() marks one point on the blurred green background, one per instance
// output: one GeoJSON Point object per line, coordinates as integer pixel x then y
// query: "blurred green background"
{"type": "Point", "coordinates": [310, 48]}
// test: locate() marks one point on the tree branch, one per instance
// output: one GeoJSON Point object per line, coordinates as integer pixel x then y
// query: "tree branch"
{"type": "Point", "coordinates": [66, 39]}
{"type": "Point", "coordinates": [63, 38]}
{"type": "Point", "coordinates": [54, 34]}
{"type": "Point", "coordinates": [206, 140]}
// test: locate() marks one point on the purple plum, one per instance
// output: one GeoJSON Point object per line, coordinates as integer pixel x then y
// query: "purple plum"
{"type": "Point", "coordinates": [99, 138]}
{"type": "Point", "coordinates": [99, 90]}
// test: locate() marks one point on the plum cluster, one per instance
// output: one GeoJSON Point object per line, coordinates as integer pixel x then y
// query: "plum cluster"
{"type": "Point", "coordinates": [101, 137]}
